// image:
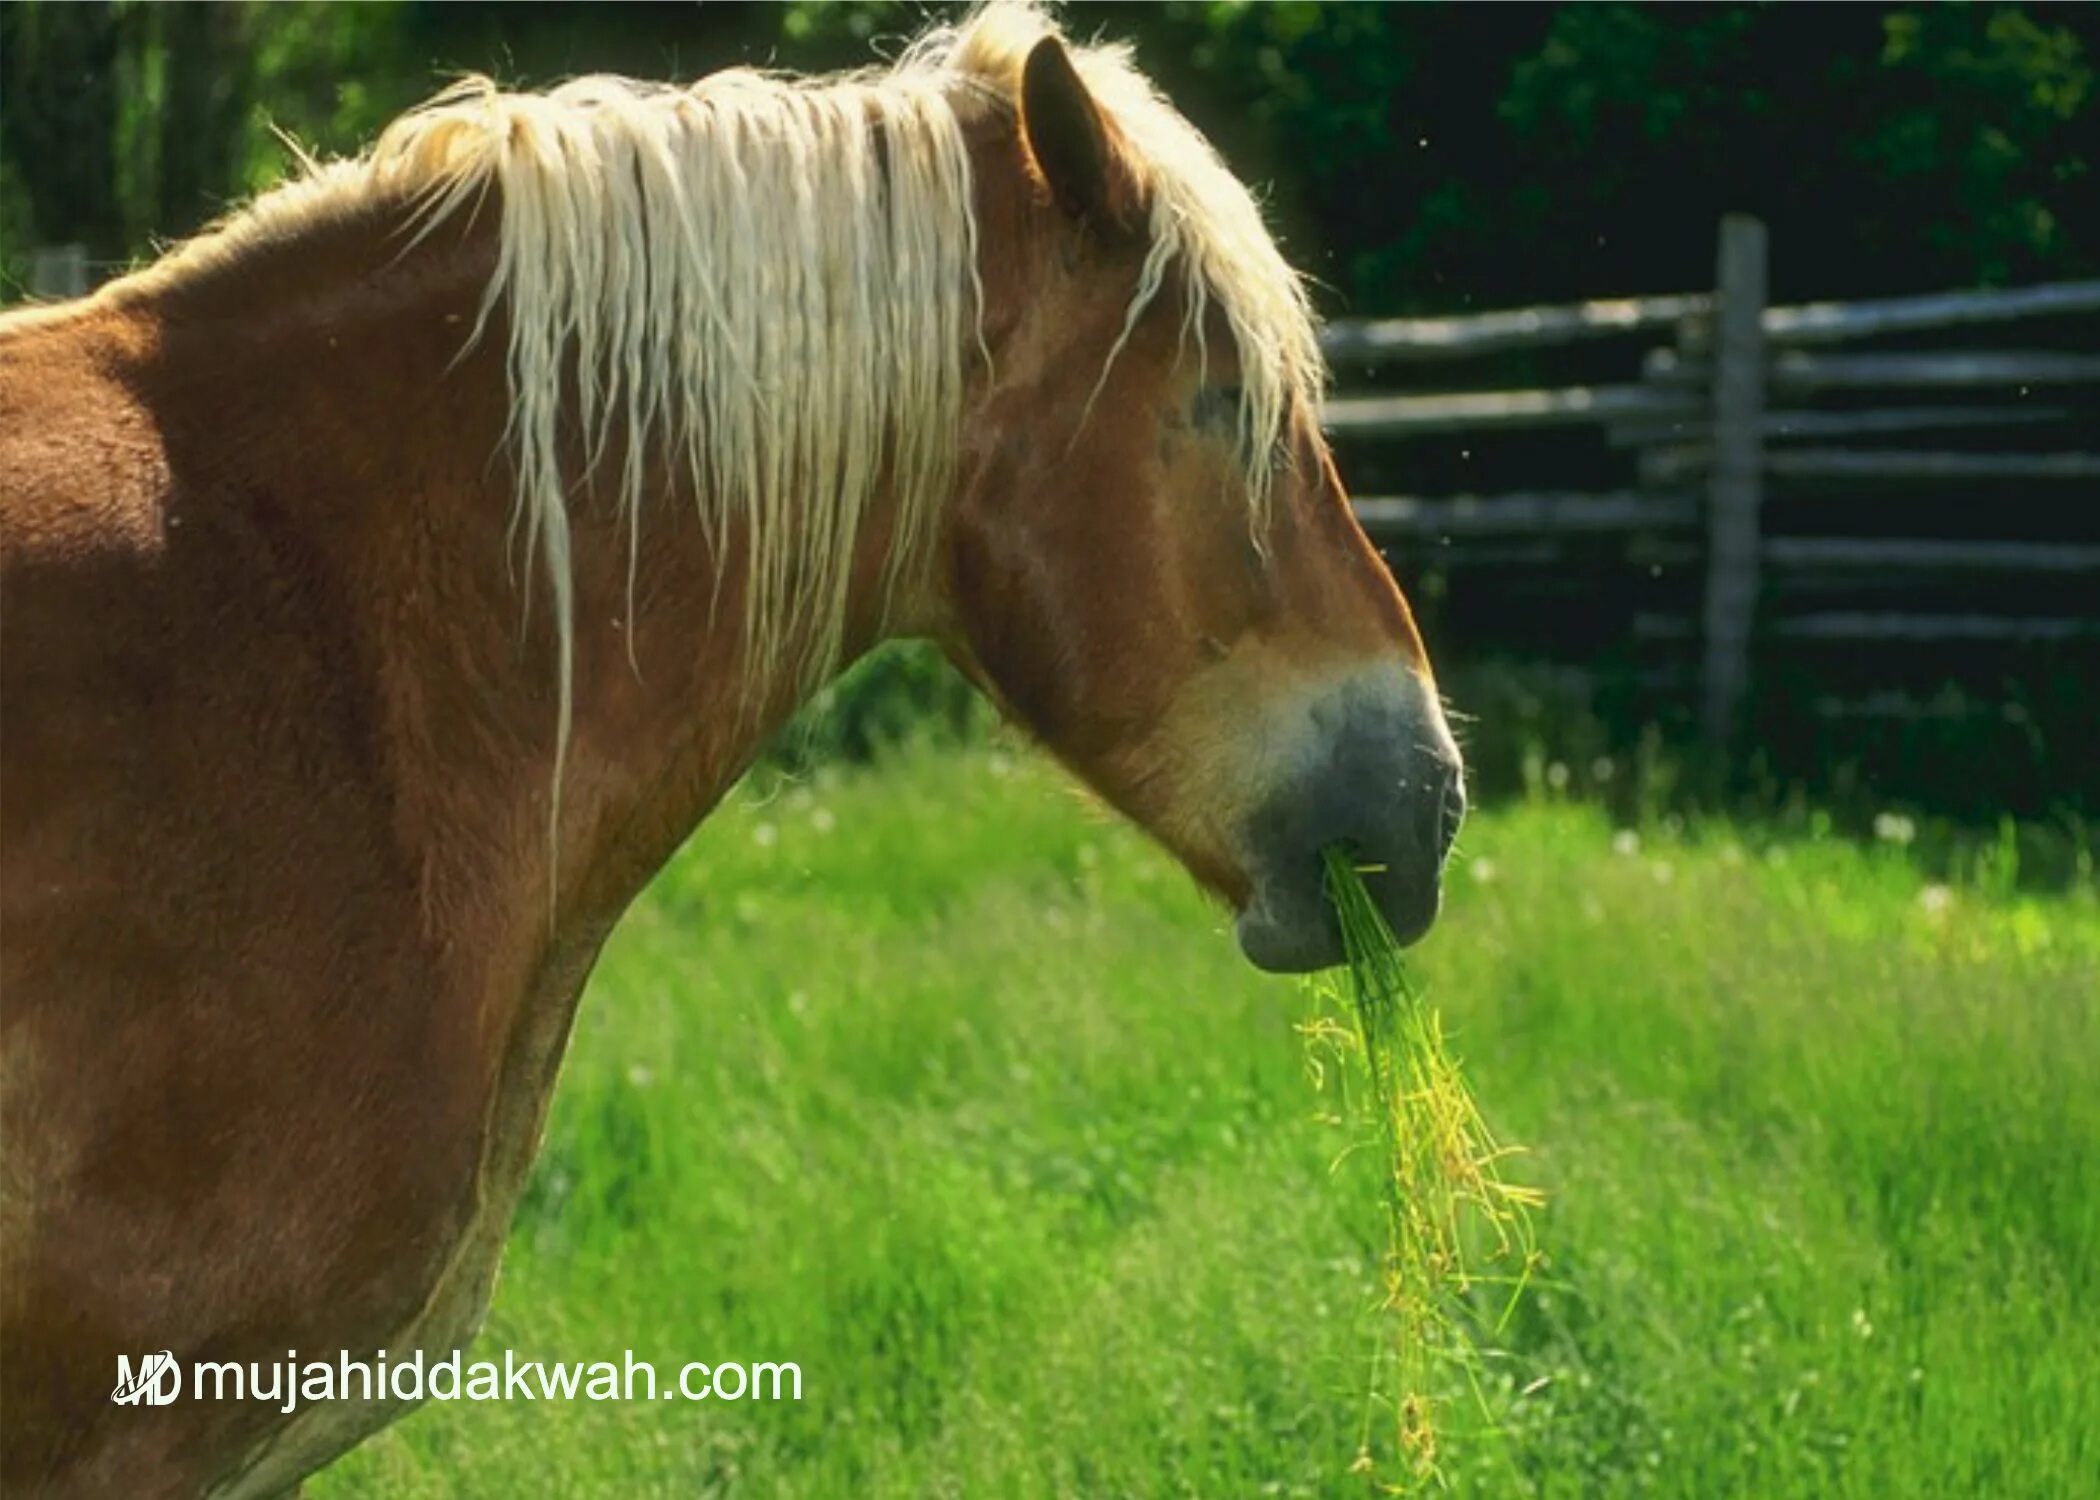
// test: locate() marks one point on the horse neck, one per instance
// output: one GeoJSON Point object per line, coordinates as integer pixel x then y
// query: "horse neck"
{"type": "Point", "coordinates": [343, 416]}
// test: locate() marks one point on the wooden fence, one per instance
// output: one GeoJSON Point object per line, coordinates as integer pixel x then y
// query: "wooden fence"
{"type": "Point", "coordinates": [57, 271]}
{"type": "Point", "coordinates": [1735, 403]}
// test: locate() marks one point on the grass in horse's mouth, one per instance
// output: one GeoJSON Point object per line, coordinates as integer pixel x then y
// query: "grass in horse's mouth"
{"type": "Point", "coordinates": [1456, 1232]}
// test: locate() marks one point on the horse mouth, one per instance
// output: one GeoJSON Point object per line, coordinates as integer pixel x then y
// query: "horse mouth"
{"type": "Point", "coordinates": [1288, 926]}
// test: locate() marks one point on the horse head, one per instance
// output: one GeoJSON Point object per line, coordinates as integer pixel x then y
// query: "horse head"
{"type": "Point", "coordinates": [1152, 563]}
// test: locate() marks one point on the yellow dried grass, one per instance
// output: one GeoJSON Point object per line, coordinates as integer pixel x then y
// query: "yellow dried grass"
{"type": "Point", "coordinates": [1456, 1230]}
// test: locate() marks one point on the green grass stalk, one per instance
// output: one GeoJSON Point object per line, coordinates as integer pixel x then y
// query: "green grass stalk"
{"type": "Point", "coordinates": [1453, 1223]}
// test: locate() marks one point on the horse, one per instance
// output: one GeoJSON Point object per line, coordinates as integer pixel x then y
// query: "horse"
{"type": "Point", "coordinates": [394, 575]}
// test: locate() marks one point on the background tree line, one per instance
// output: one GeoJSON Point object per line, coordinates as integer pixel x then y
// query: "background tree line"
{"type": "Point", "coordinates": [1418, 157]}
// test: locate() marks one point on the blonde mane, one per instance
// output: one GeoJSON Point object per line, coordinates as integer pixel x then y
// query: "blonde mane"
{"type": "Point", "coordinates": [772, 283]}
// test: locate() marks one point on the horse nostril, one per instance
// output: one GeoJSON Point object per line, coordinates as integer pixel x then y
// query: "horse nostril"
{"type": "Point", "coordinates": [1451, 813]}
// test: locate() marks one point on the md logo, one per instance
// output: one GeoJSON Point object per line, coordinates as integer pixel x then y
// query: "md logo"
{"type": "Point", "coordinates": [158, 1380]}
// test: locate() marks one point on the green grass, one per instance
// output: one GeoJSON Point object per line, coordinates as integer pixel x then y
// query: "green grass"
{"type": "Point", "coordinates": [954, 1092]}
{"type": "Point", "coordinates": [1456, 1226]}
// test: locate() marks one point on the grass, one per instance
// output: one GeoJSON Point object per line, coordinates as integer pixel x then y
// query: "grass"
{"type": "Point", "coordinates": [956, 1094]}
{"type": "Point", "coordinates": [1455, 1226]}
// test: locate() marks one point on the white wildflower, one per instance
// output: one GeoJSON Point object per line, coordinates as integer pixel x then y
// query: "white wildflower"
{"type": "Point", "coordinates": [1894, 828]}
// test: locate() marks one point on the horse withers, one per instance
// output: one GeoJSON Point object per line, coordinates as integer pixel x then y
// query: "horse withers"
{"type": "Point", "coordinates": [392, 577]}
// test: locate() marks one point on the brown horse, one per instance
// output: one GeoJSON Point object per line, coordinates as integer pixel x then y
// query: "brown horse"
{"type": "Point", "coordinates": [394, 576]}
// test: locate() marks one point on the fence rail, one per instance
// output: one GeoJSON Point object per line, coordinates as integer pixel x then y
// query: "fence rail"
{"type": "Point", "coordinates": [1526, 514]}
{"type": "Point", "coordinates": [1739, 406]}
{"type": "Point", "coordinates": [1463, 411]}
{"type": "Point", "coordinates": [1371, 341]}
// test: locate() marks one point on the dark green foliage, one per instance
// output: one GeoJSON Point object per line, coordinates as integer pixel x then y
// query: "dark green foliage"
{"type": "Point", "coordinates": [900, 693]}
{"type": "Point", "coordinates": [1418, 156]}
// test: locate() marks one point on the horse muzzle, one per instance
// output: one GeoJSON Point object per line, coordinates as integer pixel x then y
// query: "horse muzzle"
{"type": "Point", "coordinates": [1380, 777]}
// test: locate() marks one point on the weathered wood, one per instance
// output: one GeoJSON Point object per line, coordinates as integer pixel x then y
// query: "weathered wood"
{"type": "Point", "coordinates": [1735, 491]}
{"type": "Point", "coordinates": [1664, 432]}
{"type": "Point", "coordinates": [1668, 464]}
{"type": "Point", "coordinates": [1930, 371]}
{"type": "Point", "coordinates": [1911, 466]}
{"type": "Point", "coordinates": [1525, 514]}
{"type": "Point", "coordinates": [57, 271]}
{"type": "Point", "coordinates": [1966, 556]}
{"type": "Point", "coordinates": [1420, 340]}
{"type": "Point", "coordinates": [1701, 420]}
{"type": "Point", "coordinates": [1842, 625]}
{"type": "Point", "coordinates": [1834, 322]}
{"type": "Point", "coordinates": [1414, 416]}
{"type": "Point", "coordinates": [1802, 372]}
{"type": "Point", "coordinates": [1889, 628]}
{"type": "Point", "coordinates": [1356, 341]}
{"type": "Point", "coordinates": [1785, 426]}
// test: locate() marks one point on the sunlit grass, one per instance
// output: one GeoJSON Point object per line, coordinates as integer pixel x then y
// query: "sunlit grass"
{"type": "Point", "coordinates": [1456, 1226]}
{"type": "Point", "coordinates": [951, 1090]}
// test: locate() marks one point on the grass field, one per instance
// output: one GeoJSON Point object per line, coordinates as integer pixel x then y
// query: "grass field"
{"type": "Point", "coordinates": [942, 1085]}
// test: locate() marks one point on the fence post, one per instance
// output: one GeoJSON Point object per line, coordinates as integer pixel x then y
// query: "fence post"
{"type": "Point", "coordinates": [1732, 531]}
{"type": "Point", "coordinates": [58, 271]}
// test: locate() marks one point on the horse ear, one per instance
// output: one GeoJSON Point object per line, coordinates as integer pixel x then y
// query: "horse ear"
{"type": "Point", "coordinates": [1073, 145]}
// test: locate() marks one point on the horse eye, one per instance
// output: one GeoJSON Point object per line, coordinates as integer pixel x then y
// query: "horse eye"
{"type": "Point", "coordinates": [1217, 405]}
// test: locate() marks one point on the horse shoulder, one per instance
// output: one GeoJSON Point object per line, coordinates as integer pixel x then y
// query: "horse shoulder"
{"type": "Point", "coordinates": [245, 1090]}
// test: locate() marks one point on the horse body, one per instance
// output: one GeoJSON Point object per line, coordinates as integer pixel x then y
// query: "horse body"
{"type": "Point", "coordinates": [285, 991]}
{"type": "Point", "coordinates": [300, 886]}
{"type": "Point", "coordinates": [210, 922]}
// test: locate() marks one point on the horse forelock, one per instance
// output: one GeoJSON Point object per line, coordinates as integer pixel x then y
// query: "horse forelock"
{"type": "Point", "coordinates": [773, 284]}
{"type": "Point", "coordinates": [1208, 236]}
